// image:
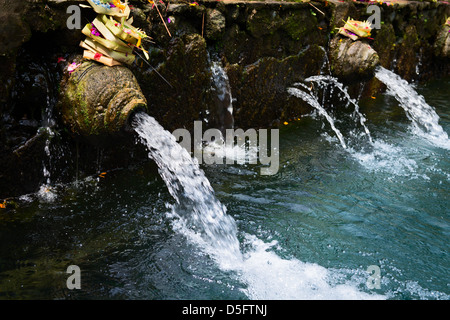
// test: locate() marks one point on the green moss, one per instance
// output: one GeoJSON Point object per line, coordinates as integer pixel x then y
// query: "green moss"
{"type": "Point", "coordinates": [300, 24]}
{"type": "Point", "coordinates": [294, 27]}
{"type": "Point", "coordinates": [384, 44]}
{"type": "Point", "coordinates": [264, 22]}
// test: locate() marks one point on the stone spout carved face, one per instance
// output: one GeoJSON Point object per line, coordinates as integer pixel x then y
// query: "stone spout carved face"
{"type": "Point", "coordinates": [98, 101]}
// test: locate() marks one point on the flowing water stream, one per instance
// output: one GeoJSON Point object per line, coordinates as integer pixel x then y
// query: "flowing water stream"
{"type": "Point", "coordinates": [343, 200]}
{"type": "Point", "coordinates": [196, 206]}
{"type": "Point", "coordinates": [314, 103]}
{"type": "Point", "coordinates": [203, 220]}
{"type": "Point", "coordinates": [423, 117]}
{"type": "Point", "coordinates": [224, 102]}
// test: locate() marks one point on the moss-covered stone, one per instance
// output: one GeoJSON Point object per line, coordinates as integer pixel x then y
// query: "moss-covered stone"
{"type": "Point", "coordinates": [187, 98]}
{"type": "Point", "coordinates": [273, 31]}
{"type": "Point", "coordinates": [340, 11]}
{"type": "Point", "coordinates": [96, 101]}
{"type": "Point", "coordinates": [263, 22]}
{"type": "Point", "coordinates": [215, 24]}
{"type": "Point", "coordinates": [384, 44]}
{"type": "Point", "coordinates": [353, 60]}
{"type": "Point", "coordinates": [260, 88]}
{"type": "Point", "coordinates": [258, 41]}
{"type": "Point", "coordinates": [23, 166]}
{"type": "Point", "coordinates": [442, 45]}
{"type": "Point", "coordinates": [408, 53]}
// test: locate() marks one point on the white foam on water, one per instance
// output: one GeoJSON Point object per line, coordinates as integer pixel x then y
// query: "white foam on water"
{"type": "Point", "coordinates": [46, 193]}
{"type": "Point", "coordinates": [387, 158]}
{"type": "Point", "coordinates": [237, 153]}
{"type": "Point", "coordinates": [378, 155]}
{"type": "Point", "coordinates": [202, 219]}
{"type": "Point", "coordinates": [267, 276]}
{"type": "Point", "coordinates": [257, 265]}
{"type": "Point", "coordinates": [270, 277]}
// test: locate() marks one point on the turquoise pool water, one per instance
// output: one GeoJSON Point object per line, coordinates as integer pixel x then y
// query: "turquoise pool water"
{"type": "Point", "coordinates": [309, 232]}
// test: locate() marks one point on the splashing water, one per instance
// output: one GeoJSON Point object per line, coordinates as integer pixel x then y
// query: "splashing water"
{"type": "Point", "coordinates": [197, 207]}
{"type": "Point", "coordinates": [46, 192]}
{"type": "Point", "coordinates": [270, 277]}
{"type": "Point", "coordinates": [325, 80]}
{"type": "Point", "coordinates": [224, 97]}
{"type": "Point", "coordinates": [203, 220]}
{"type": "Point", "coordinates": [378, 154]}
{"type": "Point", "coordinates": [236, 153]}
{"type": "Point", "coordinates": [222, 83]}
{"type": "Point", "coordinates": [424, 119]}
{"type": "Point", "coordinates": [309, 98]}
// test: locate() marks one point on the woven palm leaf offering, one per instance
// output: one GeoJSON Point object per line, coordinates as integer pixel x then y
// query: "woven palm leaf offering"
{"type": "Point", "coordinates": [110, 7]}
{"type": "Point", "coordinates": [111, 38]}
{"type": "Point", "coordinates": [355, 30]}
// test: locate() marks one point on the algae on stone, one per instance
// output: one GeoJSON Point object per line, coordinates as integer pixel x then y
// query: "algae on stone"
{"type": "Point", "coordinates": [97, 100]}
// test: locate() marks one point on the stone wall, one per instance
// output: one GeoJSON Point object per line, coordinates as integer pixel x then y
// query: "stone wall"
{"type": "Point", "coordinates": [264, 46]}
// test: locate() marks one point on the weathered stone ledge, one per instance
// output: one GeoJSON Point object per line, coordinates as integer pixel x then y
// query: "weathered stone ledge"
{"type": "Point", "coordinates": [264, 46]}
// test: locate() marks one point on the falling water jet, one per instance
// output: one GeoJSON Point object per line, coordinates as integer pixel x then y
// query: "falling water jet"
{"type": "Point", "coordinates": [379, 154]}
{"type": "Point", "coordinates": [201, 215]}
{"type": "Point", "coordinates": [203, 219]}
{"type": "Point", "coordinates": [336, 84]}
{"type": "Point", "coordinates": [98, 101]}
{"type": "Point", "coordinates": [224, 100]}
{"type": "Point", "coordinates": [307, 97]}
{"type": "Point", "coordinates": [423, 117]}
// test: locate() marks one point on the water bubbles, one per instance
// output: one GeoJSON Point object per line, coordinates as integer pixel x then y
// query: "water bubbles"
{"type": "Point", "coordinates": [271, 277]}
{"type": "Point", "coordinates": [47, 194]}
